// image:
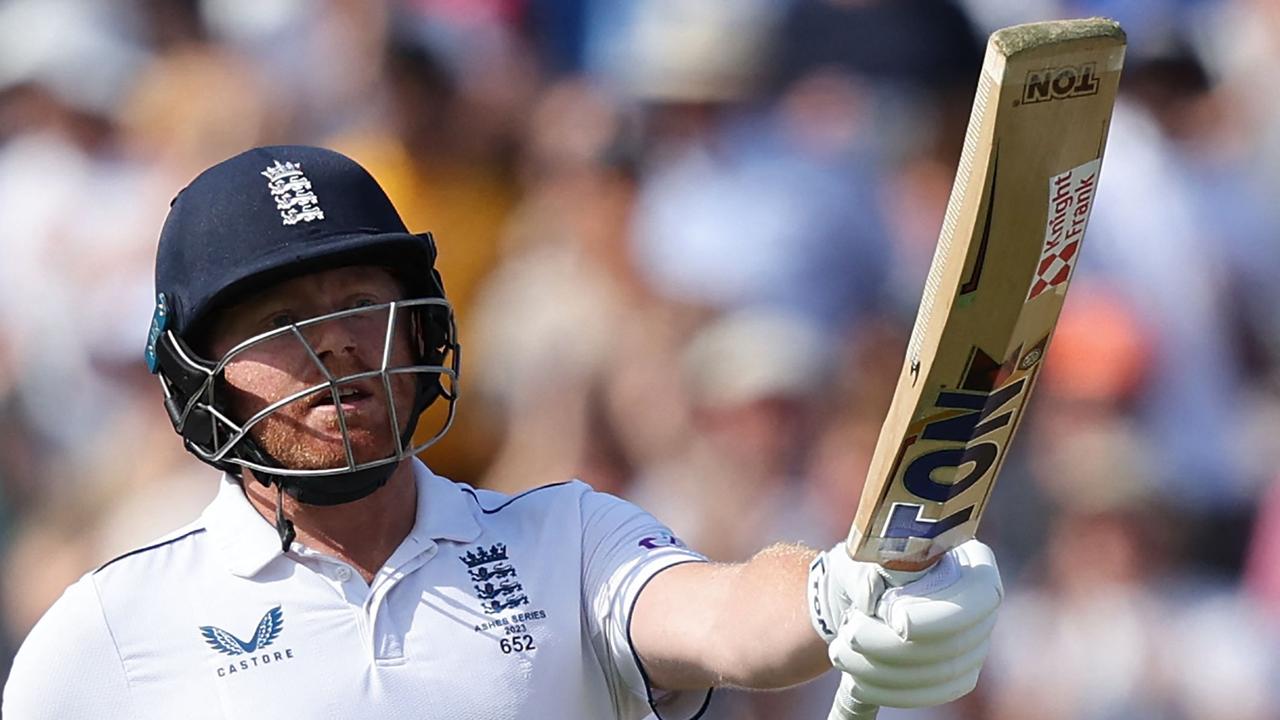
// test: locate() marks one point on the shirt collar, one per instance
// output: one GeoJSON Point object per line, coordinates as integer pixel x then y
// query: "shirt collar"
{"type": "Point", "coordinates": [248, 542]}
{"type": "Point", "coordinates": [445, 510]}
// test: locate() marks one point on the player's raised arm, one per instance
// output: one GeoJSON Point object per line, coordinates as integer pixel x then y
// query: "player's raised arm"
{"type": "Point", "coordinates": [791, 613]}
{"type": "Point", "coordinates": [730, 624]}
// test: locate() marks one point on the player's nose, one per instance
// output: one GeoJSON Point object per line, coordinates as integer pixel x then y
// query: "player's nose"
{"type": "Point", "coordinates": [332, 339]}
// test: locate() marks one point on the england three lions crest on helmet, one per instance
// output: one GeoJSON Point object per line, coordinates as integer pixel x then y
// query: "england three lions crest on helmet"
{"type": "Point", "coordinates": [293, 193]}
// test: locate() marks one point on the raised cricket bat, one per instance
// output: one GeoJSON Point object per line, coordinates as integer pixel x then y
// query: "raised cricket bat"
{"type": "Point", "coordinates": [1012, 233]}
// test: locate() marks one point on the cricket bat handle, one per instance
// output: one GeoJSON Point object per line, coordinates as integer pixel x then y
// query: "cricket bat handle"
{"type": "Point", "coordinates": [845, 707]}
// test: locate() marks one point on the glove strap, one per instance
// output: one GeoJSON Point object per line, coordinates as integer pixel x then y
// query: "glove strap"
{"type": "Point", "coordinates": [824, 618]}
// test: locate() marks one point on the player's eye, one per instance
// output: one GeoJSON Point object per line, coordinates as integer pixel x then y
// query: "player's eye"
{"type": "Point", "coordinates": [280, 319]}
{"type": "Point", "coordinates": [364, 302]}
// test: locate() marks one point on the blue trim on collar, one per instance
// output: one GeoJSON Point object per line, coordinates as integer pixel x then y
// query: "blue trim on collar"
{"type": "Point", "coordinates": [148, 548]}
{"type": "Point", "coordinates": [526, 493]}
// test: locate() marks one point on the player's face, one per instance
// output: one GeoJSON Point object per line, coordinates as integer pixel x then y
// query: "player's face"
{"type": "Point", "coordinates": [306, 433]}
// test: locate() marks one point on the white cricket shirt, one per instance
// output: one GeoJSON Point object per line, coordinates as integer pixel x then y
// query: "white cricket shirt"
{"type": "Point", "coordinates": [493, 607]}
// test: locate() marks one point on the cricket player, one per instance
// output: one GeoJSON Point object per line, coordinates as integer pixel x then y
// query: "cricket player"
{"type": "Point", "coordinates": [300, 331]}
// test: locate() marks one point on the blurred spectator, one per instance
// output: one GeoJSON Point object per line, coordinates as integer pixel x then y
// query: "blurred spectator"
{"type": "Point", "coordinates": [1089, 636]}
{"type": "Point", "coordinates": [680, 52]}
{"type": "Point", "coordinates": [562, 372]}
{"type": "Point", "coordinates": [1154, 237]}
{"type": "Point", "coordinates": [753, 381]}
{"type": "Point", "coordinates": [714, 227]}
{"type": "Point", "coordinates": [911, 44]}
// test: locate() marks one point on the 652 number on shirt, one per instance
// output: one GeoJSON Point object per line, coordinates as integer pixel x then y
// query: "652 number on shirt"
{"type": "Point", "coordinates": [518, 640]}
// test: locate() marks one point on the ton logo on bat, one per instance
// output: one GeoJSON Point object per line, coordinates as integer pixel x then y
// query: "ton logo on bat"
{"type": "Point", "coordinates": [975, 438]}
{"type": "Point", "coordinates": [1061, 82]}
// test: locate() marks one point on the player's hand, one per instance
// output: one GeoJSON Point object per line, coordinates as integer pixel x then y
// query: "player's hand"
{"type": "Point", "coordinates": [919, 644]}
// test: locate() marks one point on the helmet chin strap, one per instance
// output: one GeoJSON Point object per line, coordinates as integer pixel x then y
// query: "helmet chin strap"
{"type": "Point", "coordinates": [335, 489]}
{"type": "Point", "coordinates": [324, 490]}
{"type": "Point", "coordinates": [327, 490]}
{"type": "Point", "coordinates": [284, 526]}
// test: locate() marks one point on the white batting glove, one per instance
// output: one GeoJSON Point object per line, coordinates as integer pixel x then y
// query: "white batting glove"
{"type": "Point", "coordinates": [919, 644]}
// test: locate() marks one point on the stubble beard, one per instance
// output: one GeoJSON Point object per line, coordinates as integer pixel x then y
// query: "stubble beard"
{"type": "Point", "coordinates": [299, 440]}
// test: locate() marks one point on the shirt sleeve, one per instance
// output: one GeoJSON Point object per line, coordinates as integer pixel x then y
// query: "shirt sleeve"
{"type": "Point", "coordinates": [623, 548]}
{"type": "Point", "coordinates": [68, 666]}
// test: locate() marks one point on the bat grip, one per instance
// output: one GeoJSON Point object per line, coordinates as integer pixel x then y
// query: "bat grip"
{"type": "Point", "coordinates": [844, 706]}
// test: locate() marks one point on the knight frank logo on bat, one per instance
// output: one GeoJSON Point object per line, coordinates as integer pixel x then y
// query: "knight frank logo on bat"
{"type": "Point", "coordinates": [1070, 202]}
{"type": "Point", "coordinates": [1058, 83]}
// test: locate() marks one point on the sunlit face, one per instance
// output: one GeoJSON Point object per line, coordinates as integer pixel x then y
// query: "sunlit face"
{"type": "Point", "coordinates": [305, 434]}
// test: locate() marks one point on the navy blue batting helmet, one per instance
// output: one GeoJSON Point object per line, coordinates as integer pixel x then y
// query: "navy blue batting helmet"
{"type": "Point", "coordinates": [277, 212]}
{"type": "Point", "coordinates": [264, 216]}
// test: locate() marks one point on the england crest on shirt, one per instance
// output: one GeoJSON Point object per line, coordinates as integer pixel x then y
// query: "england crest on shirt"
{"type": "Point", "coordinates": [494, 578]}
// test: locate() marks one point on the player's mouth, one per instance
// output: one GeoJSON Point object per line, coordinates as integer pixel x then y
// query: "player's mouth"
{"type": "Point", "coordinates": [352, 398]}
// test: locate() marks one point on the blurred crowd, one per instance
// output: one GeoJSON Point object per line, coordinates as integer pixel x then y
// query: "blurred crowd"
{"type": "Point", "coordinates": [685, 241]}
